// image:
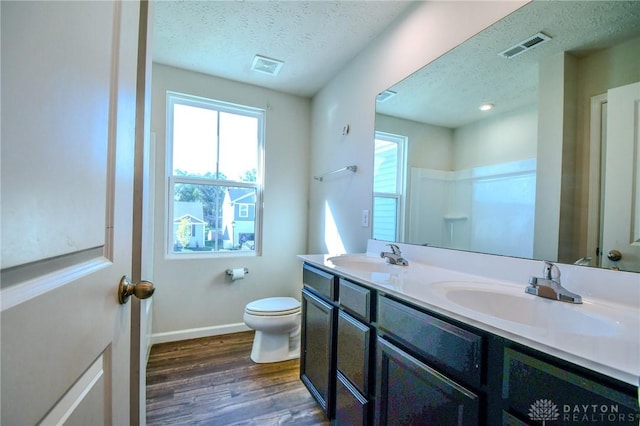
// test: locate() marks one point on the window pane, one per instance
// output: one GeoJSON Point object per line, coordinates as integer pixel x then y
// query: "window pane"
{"type": "Point", "coordinates": [209, 142]}
{"type": "Point", "coordinates": [238, 147]}
{"type": "Point", "coordinates": [385, 174]}
{"type": "Point", "coordinates": [213, 218]}
{"type": "Point", "coordinates": [194, 140]}
{"type": "Point", "coordinates": [385, 218]}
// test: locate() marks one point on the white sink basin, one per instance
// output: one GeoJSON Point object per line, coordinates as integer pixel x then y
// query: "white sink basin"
{"type": "Point", "coordinates": [511, 303]}
{"type": "Point", "coordinates": [364, 264]}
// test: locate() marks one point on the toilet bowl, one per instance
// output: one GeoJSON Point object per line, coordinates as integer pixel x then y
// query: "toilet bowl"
{"type": "Point", "coordinates": [276, 321]}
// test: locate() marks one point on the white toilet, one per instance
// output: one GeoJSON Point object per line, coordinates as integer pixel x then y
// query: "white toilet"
{"type": "Point", "coordinates": [276, 321]}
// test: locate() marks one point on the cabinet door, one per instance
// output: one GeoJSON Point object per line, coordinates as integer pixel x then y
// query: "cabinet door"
{"type": "Point", "coordinates": [353, 352]}
{"type": "Point", "coordinates": [409, 392]}
{"type": "Point", "coordinates": [317, 355]}
{"type": "Point", "coordinates": [352, 409]}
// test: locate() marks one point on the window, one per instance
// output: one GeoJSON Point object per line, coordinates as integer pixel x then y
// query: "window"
{"type": "Point", "coordinates": [243, 210]}
{"type": "Point", "coordinates": [214, 163]}
{"type": "Point", "coordinates": [388, 184]}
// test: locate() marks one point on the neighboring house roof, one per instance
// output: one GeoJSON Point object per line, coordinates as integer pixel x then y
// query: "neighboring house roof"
{"type": "Point", "coordinates": [242, 195]}
{"type": "Point", "coordinates": [194, 209]}
{"type": "Point", "coordinates": [194, 220]}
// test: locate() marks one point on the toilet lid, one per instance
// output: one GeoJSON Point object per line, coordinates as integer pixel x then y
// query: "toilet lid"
{"type": "Point", "coordinates": [273, 306]}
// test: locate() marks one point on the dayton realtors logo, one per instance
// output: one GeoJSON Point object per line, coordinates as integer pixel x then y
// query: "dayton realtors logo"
{"type": "Point", "coordinates": [545, 410]}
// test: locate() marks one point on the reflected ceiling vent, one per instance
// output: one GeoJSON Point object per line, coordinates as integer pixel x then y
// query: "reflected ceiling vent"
{"type": "Point", "coordinates": [385, 95]}
{"type": "Point", "coordinates": [525, 45]}
{"type": "Point", "coordinates": [266, 65]}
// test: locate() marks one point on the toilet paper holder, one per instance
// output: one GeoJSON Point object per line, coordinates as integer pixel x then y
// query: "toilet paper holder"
{"type": "Point", "coordinates": [230, 271]}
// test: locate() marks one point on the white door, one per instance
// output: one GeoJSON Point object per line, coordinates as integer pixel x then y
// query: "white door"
{"type": "Point", "coordinates": [621, 222]}
{"type": "Point", "coordinates": [68, 133]}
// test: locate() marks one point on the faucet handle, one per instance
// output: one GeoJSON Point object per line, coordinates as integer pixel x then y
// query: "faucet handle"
{"type": "Point", "coordinates": [395, 249]}
{"type": "Point", "coordinates": [551, 271]}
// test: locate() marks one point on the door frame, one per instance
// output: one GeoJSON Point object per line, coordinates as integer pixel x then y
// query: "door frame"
{"type": "Point", "coordinates": [596, 166]}
{"type": "Point", "coordinates": [142, 250]}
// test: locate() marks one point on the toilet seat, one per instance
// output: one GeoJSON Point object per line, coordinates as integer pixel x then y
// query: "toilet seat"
{"type": "Point", "coordinates": [273, 306]}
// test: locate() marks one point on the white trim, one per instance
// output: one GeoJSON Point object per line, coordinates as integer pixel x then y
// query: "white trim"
{"type": "Point", "coordinates": [27, 290]}
{"type": "Point", "coordinates": [594, 221]}
{"type": "Point", "coordinates": [195, 333]}
{"type": "Point", "coordinates": [176, 98]}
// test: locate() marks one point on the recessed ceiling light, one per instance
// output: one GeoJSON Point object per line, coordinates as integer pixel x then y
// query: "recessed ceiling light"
{"type": "Point", "coordinates": [486, 107]}
{"type": "Point", "coordinates": [266, 65]}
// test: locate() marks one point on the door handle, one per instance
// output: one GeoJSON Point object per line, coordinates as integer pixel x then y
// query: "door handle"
{"type": "Point", "coordinates": [142, 289]}
{"type": "Point", "coordinates": [614, 255]}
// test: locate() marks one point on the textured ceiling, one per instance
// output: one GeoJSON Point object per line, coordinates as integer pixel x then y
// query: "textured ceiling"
{"type": "Point", "coordinates": [315, 39]}
{"type": "Point", "coordinates": [449, 91]}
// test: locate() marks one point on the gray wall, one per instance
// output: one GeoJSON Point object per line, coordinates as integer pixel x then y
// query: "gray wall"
{"type": "Point", "coordinates": [426, 32]}
{"type": "Point", "coordinates": [194, 297]}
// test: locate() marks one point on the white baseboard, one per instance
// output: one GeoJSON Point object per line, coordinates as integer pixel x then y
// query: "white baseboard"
{"type": "Point", "coordinates": [195, 333]}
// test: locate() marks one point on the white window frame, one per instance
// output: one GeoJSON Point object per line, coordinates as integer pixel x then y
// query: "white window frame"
{"type": "Point", "coordinates": [173, 98]}
{"type": "Point", "coordinates": [399, 196]}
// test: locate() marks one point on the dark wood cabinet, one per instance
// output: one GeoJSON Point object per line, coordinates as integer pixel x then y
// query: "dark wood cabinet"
{"type": "Point", "coordinates": [353, 352]}
{"type": "Point", "coordinates": [408, 392]}
{"type": "Point", "coordinates": [373, 358]}
{"type": "Point", "coordinates": [320, 282]}
{"type": "Point", "coordinates": [451, 349]}
{"type": "Point", "coordinates": [317, 354]}
{"type": "Point", "coordinates": [352, 409]}
{"type": "Point", "coordinates": [357, 300]}
{"type": "Point", "coordinates": [355, 357]}
{"type": "Point", "coordinates": [536, 391]}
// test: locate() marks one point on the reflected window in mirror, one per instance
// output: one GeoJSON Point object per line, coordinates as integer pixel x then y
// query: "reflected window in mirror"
{"type": "Point", "coordinates": [388, 185]}
{"type": "Point", "coordinates": [526, 179]}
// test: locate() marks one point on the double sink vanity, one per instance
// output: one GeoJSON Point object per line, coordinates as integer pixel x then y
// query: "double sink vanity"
{"type": "Point", "coordinates": [454, 339]}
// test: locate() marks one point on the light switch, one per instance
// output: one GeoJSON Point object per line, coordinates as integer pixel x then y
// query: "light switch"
{"type": "Point", "coordinates": [365, 218]}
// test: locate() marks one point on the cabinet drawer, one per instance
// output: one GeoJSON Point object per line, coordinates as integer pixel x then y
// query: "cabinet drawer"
{"type": "Point", "coordinates": [354, 351]}
{"type": "Point", "coordinates": [457, 351]}
{"type": "Point", "coordinates": [352, 409]}
{"type": "Point", "coordinates": [532, 386]}
{"type": "Point", "coordinates": [355, 299]}
{"type": "Point", "coordinates": [320, 281]}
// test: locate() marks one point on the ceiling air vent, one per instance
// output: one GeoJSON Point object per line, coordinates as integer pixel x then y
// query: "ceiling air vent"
{"type": "Point", "coordinates": [266, 65]}
{"type": "Point", "coordinates": [525, 45]}
{"type": "Point", "coordinates": [385, 95]}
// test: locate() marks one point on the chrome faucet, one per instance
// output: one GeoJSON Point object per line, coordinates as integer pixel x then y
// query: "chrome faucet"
{"type": "Point", "coordinates": [549, 286]}
{"type": "Point", "coordinates": [395, 256]}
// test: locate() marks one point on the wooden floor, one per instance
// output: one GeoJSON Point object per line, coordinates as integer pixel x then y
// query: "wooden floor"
{"type": "Point", "coordinates": [212, 381]}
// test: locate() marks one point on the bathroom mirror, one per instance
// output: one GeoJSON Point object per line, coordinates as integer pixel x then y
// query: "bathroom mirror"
{"type": "Point", "coordinates": [524, 178]}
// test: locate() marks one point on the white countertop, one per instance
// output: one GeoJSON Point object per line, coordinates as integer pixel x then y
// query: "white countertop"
{"type": "Point", "coordinates": [612, 350]}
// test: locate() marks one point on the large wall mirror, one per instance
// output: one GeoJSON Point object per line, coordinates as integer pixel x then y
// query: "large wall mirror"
{"type": "Point", "coordinates": [550, 170]}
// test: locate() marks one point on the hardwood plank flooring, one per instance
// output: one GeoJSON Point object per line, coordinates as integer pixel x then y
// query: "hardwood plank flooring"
{"type": "Point", "coordinates": [212, 381]}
